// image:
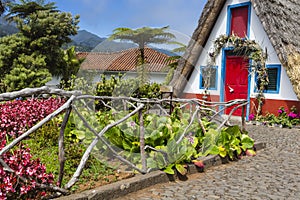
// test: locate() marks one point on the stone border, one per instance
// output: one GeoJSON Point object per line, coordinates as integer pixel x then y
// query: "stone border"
{"type": "Point", "coordinates": [126, 186]}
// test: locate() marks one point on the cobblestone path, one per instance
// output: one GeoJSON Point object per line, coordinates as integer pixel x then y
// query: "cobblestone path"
{"type": "Point", "coordinates": [273, 174]}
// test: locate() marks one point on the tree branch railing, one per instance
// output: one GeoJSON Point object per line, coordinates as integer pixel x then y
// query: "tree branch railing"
{"type": "Point", "coordinates": [198, 108]}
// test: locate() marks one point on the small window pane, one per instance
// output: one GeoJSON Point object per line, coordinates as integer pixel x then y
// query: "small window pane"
{"type": "Point", "coordinates": [273, 72]}
{"type": "Point", "coordinates": [208, 77]}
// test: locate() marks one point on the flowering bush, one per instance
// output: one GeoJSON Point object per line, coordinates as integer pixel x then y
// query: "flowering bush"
{"type": "Point", "coordinates": [16, 117]}
{"type": "Point", "coordinates": [285, 118]}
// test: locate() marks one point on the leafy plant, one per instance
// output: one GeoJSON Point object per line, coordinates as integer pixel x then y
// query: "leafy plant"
{"type": "Point", "coordinates": [16, 117]}
{"type": "Point", "coordinates": [229, 142]}
{"type": "Point", "coordinates": [165, 150]}
{"type": "Point", "coordinates": [126, 87]}
{"type": "Point", "coordinates": [284, 118]}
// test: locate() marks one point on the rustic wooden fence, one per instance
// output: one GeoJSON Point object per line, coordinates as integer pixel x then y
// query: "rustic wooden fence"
{"type": "Point", "coordinates": [198, 108]}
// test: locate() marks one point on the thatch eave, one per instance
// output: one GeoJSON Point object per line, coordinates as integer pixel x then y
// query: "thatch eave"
{"type": "Point", "coordinates": [200, 36]}
{"type": "Point", "coordinates": [281, 21]}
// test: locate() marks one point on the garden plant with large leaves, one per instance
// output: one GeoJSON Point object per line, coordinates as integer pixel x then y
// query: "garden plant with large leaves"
{"type": "Point", "coordinates": [165, 150]}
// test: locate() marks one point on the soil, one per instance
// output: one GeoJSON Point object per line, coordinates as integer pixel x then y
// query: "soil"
{"type": "Point", "coordinates": [117, 176]}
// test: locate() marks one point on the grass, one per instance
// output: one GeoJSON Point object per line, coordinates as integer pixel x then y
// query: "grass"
{"type": "Point", "coordinates": [44, 145]}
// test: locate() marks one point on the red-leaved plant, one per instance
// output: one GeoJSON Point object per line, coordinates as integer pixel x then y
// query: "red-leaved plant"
{"type": "Point", "coordinates": [16, 117]}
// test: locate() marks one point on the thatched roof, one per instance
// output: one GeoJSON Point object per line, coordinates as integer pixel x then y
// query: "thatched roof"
{"type": "Point", "coordinates": [281, 21]}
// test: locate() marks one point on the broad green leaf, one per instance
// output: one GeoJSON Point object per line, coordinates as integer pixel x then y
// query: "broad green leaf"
{"type": "Point", "coordinates": [118, 141]}
{"type": "Point", "coordinates": [247, 142]}
{"type": "Point", "coordinates": [151, 163]}
{"type": "Point", "coordinates": [230, 153]}
{"type": "Point", "coordinates": [196, 141]}
{"type": "Point", "coordinates": [214, 150]}
{"type": "Point", "coordinates": [238, 150]}
{"type": "Point", "coordinates": [126, 145]}
{"type": "Point", "coordinates": [181, 169]}
{"type": "Point", "coordinates": [223, 151]}
{"type": "Point", "coordinates": [169, 169]}
{"type": "Point", "coordinates": [149, 118]}
{"type": "Point", "coordinates": [162, 120]}
{"type": "Point", "coordinates": [235, 142]}
{"type": "Point", "coordinates": [233, 131]}
{"type": "Point", "coordinates": [80, 134]}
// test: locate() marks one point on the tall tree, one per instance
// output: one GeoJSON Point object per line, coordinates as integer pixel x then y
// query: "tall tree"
{"type": "Point", "coordinates": [37, 47]}
{"type": "Point", "coordinates": [142, 37]}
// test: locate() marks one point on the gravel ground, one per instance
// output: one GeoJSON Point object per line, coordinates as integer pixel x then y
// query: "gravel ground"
{"type": "Point", "coordinates": [272, 174]}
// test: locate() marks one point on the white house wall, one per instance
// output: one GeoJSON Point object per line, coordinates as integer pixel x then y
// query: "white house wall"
{"type": "Point", "coordinates": [157, 77]}
{"type": "Point", "coordinates": [258, 34]}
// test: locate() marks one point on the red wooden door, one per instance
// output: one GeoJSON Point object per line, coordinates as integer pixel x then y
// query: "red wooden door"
{"type": "Point", "coordinates": [236, 80]}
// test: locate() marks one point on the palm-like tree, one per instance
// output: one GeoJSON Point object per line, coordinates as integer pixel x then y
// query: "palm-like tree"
{"type": "Point", "coordinates": [142, 37]}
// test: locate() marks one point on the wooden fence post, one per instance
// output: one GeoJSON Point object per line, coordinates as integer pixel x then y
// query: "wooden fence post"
{"type": "Point", "coordinates": [142, 141]}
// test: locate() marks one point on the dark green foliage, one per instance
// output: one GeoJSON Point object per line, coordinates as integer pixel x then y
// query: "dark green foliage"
{"type": "Point", "coordinates": [28, 7]}
{"type": "Point", "coordinates": [127, 87]}
{"type": "Point", "coordinates": [72, 64]}
{"type": "Point", "coordinates": [35, 51]}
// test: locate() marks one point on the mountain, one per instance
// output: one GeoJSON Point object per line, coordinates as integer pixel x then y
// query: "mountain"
{"type": "Point", "coordinates": [85, 41]}
{"type": "Point", "coordinates": [6, 28]}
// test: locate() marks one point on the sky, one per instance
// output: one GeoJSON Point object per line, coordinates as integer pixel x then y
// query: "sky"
{"type": "Point", "coordinates": [101, 17]}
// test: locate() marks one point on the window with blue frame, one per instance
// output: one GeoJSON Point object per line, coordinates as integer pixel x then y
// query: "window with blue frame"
{"type": "Point", "coordinates": [208, 77]}
{"type": "Point", "coordinates": [274, 73]}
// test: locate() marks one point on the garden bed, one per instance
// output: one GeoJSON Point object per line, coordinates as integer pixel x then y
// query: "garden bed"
{"type": "Point", "coordinates": [122, 128]}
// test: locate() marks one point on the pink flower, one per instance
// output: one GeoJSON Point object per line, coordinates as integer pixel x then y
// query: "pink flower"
{"type": "Point", "coordinates": [292, 115]}
{"type": "Point", "coordinates": [251, 117]}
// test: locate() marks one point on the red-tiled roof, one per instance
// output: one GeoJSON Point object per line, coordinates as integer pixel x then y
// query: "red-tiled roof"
{"type": "Point", "coordinates": [124, 60]}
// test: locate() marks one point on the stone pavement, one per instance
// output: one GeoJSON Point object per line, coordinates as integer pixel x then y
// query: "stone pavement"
{"type": "Point", "coordinates": [273, 174]}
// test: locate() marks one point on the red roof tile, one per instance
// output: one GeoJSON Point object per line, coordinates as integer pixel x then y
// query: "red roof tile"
{"type": "Point", "coordinates": [124, 60]}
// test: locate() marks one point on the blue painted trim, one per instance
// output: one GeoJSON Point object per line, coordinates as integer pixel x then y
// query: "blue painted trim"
{"type": "Point", "coordinates": [229, 16]}
{"type": "Point", "coordinates": [249, 90]}
{"type": "Point", "coordinates": [216, 81]}
{"type": "Point", "coordinates": [223, 75]}
{"type": "Point", "coordinates": [272, 66]}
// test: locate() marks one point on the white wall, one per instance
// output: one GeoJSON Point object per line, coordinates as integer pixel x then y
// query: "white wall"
{"type": "Point", "coordinates": [258, 34]}
{"type": "Point", "coordinates": [158, 77]}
